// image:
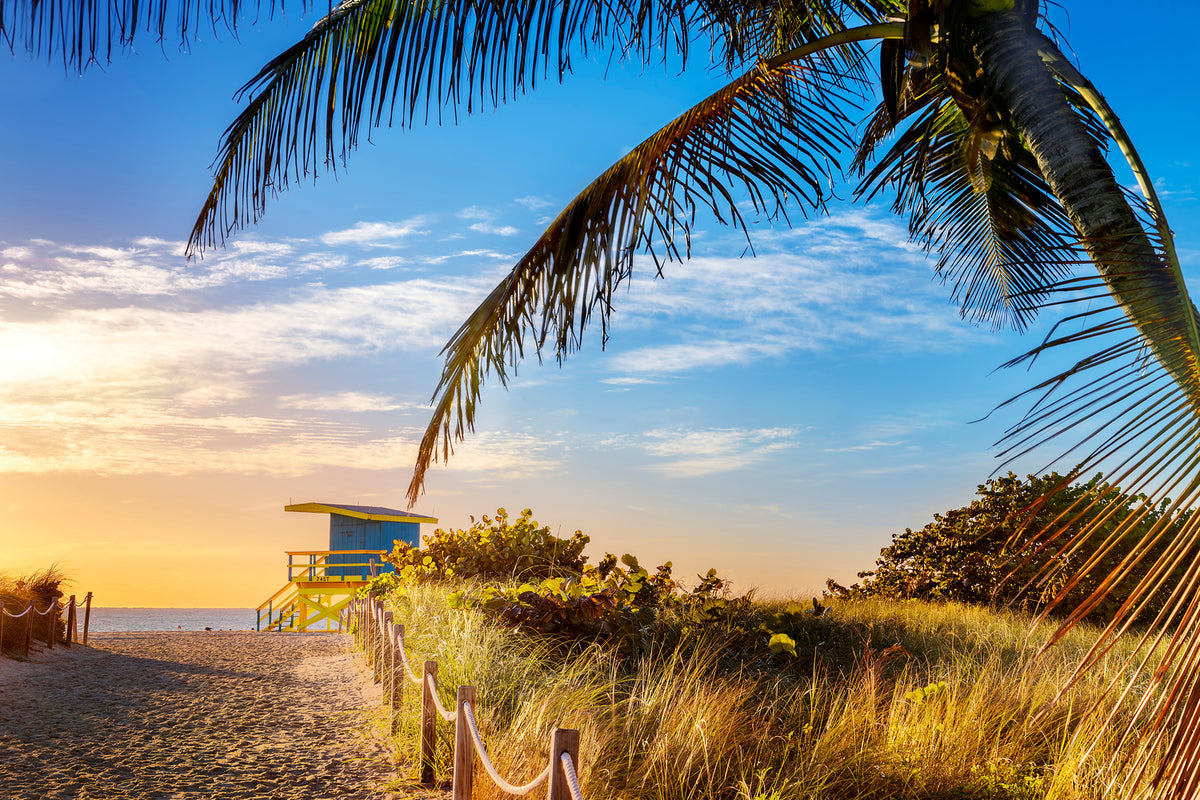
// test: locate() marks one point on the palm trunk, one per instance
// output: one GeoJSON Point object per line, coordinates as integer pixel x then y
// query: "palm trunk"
{"type": "Point", "coordinates": [1020, 86]}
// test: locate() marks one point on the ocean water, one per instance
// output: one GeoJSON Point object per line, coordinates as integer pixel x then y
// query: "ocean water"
{"type": "Point", "coordinates": [111, 620]}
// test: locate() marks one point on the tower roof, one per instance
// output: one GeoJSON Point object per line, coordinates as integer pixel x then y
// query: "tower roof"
{"type": "Point", "coordinates": [371, 513]}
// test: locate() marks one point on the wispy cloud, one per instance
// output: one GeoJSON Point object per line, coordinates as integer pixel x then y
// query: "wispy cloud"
{"type": "Point", "coordinates": [825, 284]}
{"type": "Point", "coordinates": [498, 230]}
{"type": "Point", "coordinates": [158, 440]}
{"type": "Point", "coordinates": [384, 262]}
{"type": "Point", "coordinates": [534, 202]}
{"type": "Point", "coordinates": [485, 221]}
{"type": "Point", "coordinates": [129, 358]}
{"type": "Point", "coordinates": [680, 357]}
{"type": "Point", "coordinates": [475, 212]}
{"type": "Point", "coordinates": [375, 233]}
{"type": "Point", "coordinates": [135, 349]}
{"type": "Point", "coordinates": [64, 275]}
{"type": "Point", "coordinates": [514, 455]}
{"type": "Point", "coordinates": [629, 380]}
{"type": "Point", "coordinates": [688, 453]}
{"type": "Point", "coordinates": [344, 401]}
{"type": "Point", "coordinates": [475, 253]}
{"type": "Point", "coordinates": [861, 448]}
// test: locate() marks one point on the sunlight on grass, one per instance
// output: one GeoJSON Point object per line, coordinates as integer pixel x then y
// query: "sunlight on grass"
{"type": "Point", "coordinates": [899, 700]}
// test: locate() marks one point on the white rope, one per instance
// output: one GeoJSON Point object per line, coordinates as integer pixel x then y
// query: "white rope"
{"type": "Point", "coordinates": [572, 778]}
{"type": "Point", "coordinates": [449, 716]}
{"type": "Point", "coordinates": [53, 605]}
{"type": "Point", "coordinates": [412, 676]}
{"type": "Point", "coordinates": [23, 613]}
{"type": "Point", "coordinates": [491, 769]}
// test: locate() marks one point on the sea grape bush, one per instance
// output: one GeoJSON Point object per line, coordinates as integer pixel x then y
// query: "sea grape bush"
{"type": "Point", "coordinates": [967, 555]}
{"type": "Point", "coordinates": [607, 600]}
{"type": "Point", "coordinates": [636, 611]}
{"type": "Point", "coordinates": [492, 548]}
{"type": "Point", "coordinates": [518, 573]}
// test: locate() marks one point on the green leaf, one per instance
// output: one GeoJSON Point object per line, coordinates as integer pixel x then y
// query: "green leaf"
{"type": "Point", "coordinates": [927, 693]}
{"type": "Point", "coordinates": [782, 643]}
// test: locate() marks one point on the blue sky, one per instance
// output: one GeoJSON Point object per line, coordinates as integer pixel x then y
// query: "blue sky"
{"type": "Point", "coordinates": [776, 417]}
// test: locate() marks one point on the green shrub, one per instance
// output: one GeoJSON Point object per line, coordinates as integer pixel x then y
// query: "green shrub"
{"type": "Point", "coordinates": [492, 548]}
{"type": "Point", "coordinates": [522, 576]}
{"type": "Point", "coordinates": [996, 550]}
{"type": "Point", "coordinates": [605, 601]}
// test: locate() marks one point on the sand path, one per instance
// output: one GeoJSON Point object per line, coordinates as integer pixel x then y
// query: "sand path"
{"type": "Point", "coordinates": [191, 716]}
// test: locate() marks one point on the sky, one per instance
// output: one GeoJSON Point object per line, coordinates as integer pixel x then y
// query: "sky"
{"type": "Point", "coordinates": [778, 417]}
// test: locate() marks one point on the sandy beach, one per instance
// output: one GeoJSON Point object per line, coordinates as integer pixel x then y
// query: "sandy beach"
{"type": "Point", "coordinates": [192, 716]}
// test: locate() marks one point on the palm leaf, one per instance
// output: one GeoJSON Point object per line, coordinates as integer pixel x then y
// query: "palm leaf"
{"type": "Point", "coordinates": [388, 61]}
{"type": "Point", "coordinates": [748, 31]}
{"type": "Point", "coordinates": [1142, 413]}
{"type": "Point", "coordinates": [1123, 410]}
{"type": "Point", "coordinates": [82, 33]}
{"type": "Point", "coordinates": [371, 58]}
{"type": "Point", "coordinates": [1132, 407]}
{"type": "Point", "coordinates": [767, 136]}
{"type": "Point", "coordinates": [1001, 237]}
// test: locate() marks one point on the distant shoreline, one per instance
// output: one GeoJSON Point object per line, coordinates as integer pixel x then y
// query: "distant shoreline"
{"type": "Point", "coordinates": [113, 619]}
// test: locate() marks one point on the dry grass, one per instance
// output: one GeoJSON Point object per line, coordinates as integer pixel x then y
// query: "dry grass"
{"type": "Point", "coordinates": [933, 702]}
{"type": "Point", "coordinates": [17, 592]}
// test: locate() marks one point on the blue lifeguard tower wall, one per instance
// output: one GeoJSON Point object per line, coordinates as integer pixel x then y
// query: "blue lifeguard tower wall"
{"type": "Point", "coordinates": [364, 528]}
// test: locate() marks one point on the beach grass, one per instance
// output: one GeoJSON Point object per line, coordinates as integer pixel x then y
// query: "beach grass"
{"type": "Point", "coordinates": [902, 700]}
{"type": "Point", "coordinates": [18, 591]}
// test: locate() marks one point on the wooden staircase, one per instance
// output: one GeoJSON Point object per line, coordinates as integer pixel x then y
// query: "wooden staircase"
{"type": "Point", "coordinates": [318, 591]}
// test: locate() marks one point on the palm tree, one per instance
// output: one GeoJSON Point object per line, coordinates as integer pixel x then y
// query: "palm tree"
{"type": "Point", "coordinates": [987, 139]}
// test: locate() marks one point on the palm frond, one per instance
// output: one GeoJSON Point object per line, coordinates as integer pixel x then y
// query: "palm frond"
{"type": "Point", "coordinates": [1124, 408]}
{"type": "Point", "coordinates": [387, 61]}
{"type": "Point", "coordinates": [1001, 237]}
{"type": "Point", "coordinates": [357, 64]}
{"type": "Point", "coordinates": [85, 33]}
{"type": "Point", "coordinates": [769, 137]}
{"type": "Point", "coordinates": [1142, 414]}
{"type": "Point", "coordinates": [747, 31]}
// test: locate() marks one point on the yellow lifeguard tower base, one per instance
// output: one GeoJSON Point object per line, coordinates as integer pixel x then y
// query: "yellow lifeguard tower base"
{"type": "Point", "coordinates": [313, 598]}
{"type": "Point", "coordinates": [322, 582]}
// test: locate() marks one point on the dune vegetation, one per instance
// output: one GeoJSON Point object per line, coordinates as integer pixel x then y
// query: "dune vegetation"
{"type": "Point", "coordinates": [18, 591]}
{"type": "Point", "coordinates": [700, 694]}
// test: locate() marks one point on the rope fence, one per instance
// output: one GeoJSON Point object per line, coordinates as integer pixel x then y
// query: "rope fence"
{"type": "Point", "coordinates": [48, 624]}
{"type": "Point", "coordinates": [381, 640]}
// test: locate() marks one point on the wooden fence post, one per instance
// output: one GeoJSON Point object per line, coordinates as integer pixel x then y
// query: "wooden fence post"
{"type": "Point", "coordinates": [366, 631]}
{"type": "Point", "coordinates": [87, 615]}
{"type": "Point", "coordinates": [72, 633]}
{"type": "Point", "coordinates": [464, 746]}
{"type": "Point", "coordinates": [376, 640]}
{"type": "Point", "coordinates": [429, 714]}
{"type": "Point", "coordinates": [362, 622]}
{"type": "Point", "coordinates": [2, 612]}
{"type": "Point", "coordinates": [380, 644]}
{"type": "Point", "coordinates": [399, 676]}
{"type": "Point", "coordinates": [28, 629]}
{"type": "Point", "coordinates": [562, 740]}
{"type": "Point", "coordinates": [389, 662]}
{"type": "Point", "coordinates": [50, 618]}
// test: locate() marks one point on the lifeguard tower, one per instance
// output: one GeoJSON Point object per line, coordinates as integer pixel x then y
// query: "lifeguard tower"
{"type": "Point", "coordinates": [321, 582]}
